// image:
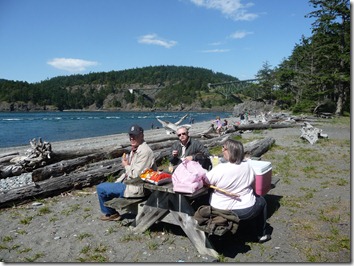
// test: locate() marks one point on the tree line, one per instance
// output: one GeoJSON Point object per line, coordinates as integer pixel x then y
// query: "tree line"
{"type": "Point", "coordinates": [315, 77]}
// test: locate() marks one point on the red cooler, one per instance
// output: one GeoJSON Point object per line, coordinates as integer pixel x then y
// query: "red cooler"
{"type": "Point", "coordinates": [263, 179]}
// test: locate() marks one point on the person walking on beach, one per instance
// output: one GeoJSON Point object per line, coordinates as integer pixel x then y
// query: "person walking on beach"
{"type": "Point", "coordinates": [218, 125]}
{"type": "Point", "coordinates": [141, 157]}
{"type": "Point", "coordinates": [186, 148]}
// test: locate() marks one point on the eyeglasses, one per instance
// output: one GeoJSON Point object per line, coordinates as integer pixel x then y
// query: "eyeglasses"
{"type": "Point", "coordinates": [183, 133]}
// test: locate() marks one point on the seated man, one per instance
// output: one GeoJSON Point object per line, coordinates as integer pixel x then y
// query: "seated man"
{"type": "Point", "coordinates": [189, 149]}
{"type": "Point", "coordinates": [140, 158]}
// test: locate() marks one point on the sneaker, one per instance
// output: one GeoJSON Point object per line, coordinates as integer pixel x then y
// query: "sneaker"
{"type": "Point", "coordinates": [112, 217]}
{"type": "Point", "coordinates": [264, 238]}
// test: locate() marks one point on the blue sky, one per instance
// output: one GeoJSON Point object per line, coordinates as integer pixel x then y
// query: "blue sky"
{"type": "Point", "coordinates": [41, 39]}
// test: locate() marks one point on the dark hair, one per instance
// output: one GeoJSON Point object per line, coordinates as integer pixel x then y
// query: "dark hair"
{"type": "Point", "coordinates": [236, 151]}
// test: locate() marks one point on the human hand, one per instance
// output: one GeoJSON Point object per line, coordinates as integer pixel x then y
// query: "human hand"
{"type": "Point", "coordinates": [189, 158]}
{"type": "Point", "coordinates": [125, 159]}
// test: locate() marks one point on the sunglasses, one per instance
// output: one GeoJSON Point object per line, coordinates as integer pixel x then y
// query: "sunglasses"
{"type": "Point", "coordinates": [183, 133]}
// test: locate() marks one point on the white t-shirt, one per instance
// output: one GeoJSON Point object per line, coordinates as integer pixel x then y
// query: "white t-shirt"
{"type": "Point", "coordinates": [233, 178]}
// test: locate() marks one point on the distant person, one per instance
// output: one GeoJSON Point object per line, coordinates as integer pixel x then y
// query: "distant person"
{"type": "Point", "coordinates": [242, 116]}
{"type": "Point", "coordinates": [236, 176]}
{"type": "Point", "coordinates": [152, 125]}
{"type": "Point", "coordinates": [141, 157]}
{"type": "Point", "coordinates": [225, 123]}
{"type": "Point", "coordinates": [187, 148]}
{"type": "Point", "coordinates": [218, 125]}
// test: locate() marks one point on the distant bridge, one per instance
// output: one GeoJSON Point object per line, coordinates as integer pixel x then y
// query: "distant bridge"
{"type": "Point", "coordinates": [147, 92]}
{"type": "Point", "coordinates": [225, 88]}
{"type": "Point", "coordinates": [231, 87]}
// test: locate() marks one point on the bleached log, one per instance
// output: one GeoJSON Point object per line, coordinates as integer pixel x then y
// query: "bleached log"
{"type": "Point", "coordinates": [262, 126]}
{"type": "Point", "coordinates": [8, 158]}
{"type": "Point", "coordinates": [10, 170]}
{"type": "Point", "coordinates": [65, 167]}
{"type": "Point", "coordinates": [54, 186]}
{"type": "Point", "coordinates": [257, 148]}
{"type": "Point", "coordinates": [310, 133]}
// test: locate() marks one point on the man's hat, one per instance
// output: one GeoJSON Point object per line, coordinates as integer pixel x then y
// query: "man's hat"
{"type": "Point", "coordinates": [135, 130]}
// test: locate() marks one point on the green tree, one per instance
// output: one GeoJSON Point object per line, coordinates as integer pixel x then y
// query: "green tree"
{"type": "Point", "coordinates": [331, 47]}
{"type": "Point", "coordinates": [267, 81]}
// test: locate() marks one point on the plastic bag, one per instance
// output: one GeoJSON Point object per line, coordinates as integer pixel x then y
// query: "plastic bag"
{"type": "Point", "coordinates": [155, 177]}
{"type": "Point", "coordinates": [188, 177]}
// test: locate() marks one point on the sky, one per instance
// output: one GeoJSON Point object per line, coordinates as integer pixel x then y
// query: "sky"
{"type": "Point", "coordinates": [42, 39]}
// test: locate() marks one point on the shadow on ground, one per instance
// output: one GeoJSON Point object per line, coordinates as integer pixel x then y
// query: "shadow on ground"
{"type": "Point", "coordinates": [230, 245]}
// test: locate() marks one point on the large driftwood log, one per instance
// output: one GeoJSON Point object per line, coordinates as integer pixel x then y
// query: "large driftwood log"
{"type": "Point", "coordinates": [258, 147]}
{"type": "Point", "coordinates": [64, 167]}
{"type": "Point", "coordinates": [262, 126]}
{"type": "Point", "coordinates": [8, 157]}
{"type": "Point", "coordinates": [312, 134]}
{"type": "Point", "coordinates": [67, 166]}
{"type": "Point", "coordinates": [11, 170]}
{"type": "Point", "coordinates": [38, 156]}
{"type": "Point", "coordinates": [55, 186]}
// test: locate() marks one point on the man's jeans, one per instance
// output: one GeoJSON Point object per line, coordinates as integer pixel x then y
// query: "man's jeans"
{"type": "Point", "coordinates": [107, 191]}
{"type": "Point", "coordinates": [258, 211]}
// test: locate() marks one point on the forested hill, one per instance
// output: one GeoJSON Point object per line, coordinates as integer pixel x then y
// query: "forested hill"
{"type": "Point", "coordinates": [147, 88]}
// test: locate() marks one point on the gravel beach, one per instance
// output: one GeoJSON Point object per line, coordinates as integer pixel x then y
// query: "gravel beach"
{"type": "Point", "coordinates": [309, 209]}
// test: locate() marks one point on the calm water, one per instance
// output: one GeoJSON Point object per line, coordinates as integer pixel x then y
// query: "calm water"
{"type": "Point", "coordinates": [17, 129]}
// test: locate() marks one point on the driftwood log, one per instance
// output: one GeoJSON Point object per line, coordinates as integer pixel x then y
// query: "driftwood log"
{"type": "Point", "coordinates": [311, 134]}
{"type": "Point", "coordinates": [38, 156]}
{"type": "Point", "coordinates": [258, 147]}
{"type": "Point", "coordinates": [262, 126]}
{"type": "Point", "coordinates": [55, 186]}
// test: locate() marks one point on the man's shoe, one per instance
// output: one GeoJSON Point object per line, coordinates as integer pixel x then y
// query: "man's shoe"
{"type": "Point", "coordinates": [264, 238]}
{"type": "Point", "coordinates": [112, 217]}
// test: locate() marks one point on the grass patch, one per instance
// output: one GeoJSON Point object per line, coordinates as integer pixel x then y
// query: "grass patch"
{"type": "Point", "coordinates": [83, 236]}
{"type": "Point", "coordinates": [127, 238]}
{"type": "Point", "coordinates": [7, 238]}
{"type": "Point", "coordinates": [93, 254]}
{"type": "Point", "coordinates": [71, 209]}
{"type": "Point", "coordinates": [26, 220]}
{"type": "Point", "coordinates": [24, 250]}
{"type": "Point", "coordinates": [44, 210]}
{"type": "Point", "coordinates": [34, 258]}
{"type": "Point", "coordinates": [152, 245]}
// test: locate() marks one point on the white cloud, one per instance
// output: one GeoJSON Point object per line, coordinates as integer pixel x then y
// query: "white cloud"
{"type": "Point", "coordinates": [233, 9]}
{"type": "Point", "coordinates": [240, 34]}
{"type": "Point", "coordinates": [155, 40]}
{"type": "Point", "coordinates": [71, 64]}
{"type": "Point", "coordinates": [216, 51]}
{"type": "Point", "coordinates": [215, 43]}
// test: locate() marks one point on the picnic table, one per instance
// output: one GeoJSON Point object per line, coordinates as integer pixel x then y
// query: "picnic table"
{"type": "Point", "coordinates": [165, 205]}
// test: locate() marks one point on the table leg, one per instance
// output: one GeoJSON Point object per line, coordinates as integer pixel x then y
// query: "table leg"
{"type": "Point", "coordinates": [196, 236]}
{"type": "Point", "coordinates": [147, 217]}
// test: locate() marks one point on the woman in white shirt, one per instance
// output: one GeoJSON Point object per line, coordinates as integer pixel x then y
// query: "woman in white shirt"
{"type": "Point", "coordinates": [237, 176]}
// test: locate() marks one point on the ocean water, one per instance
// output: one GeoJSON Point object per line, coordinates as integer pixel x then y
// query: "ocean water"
{"type": "Point", "coordinates": [17, 129]}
